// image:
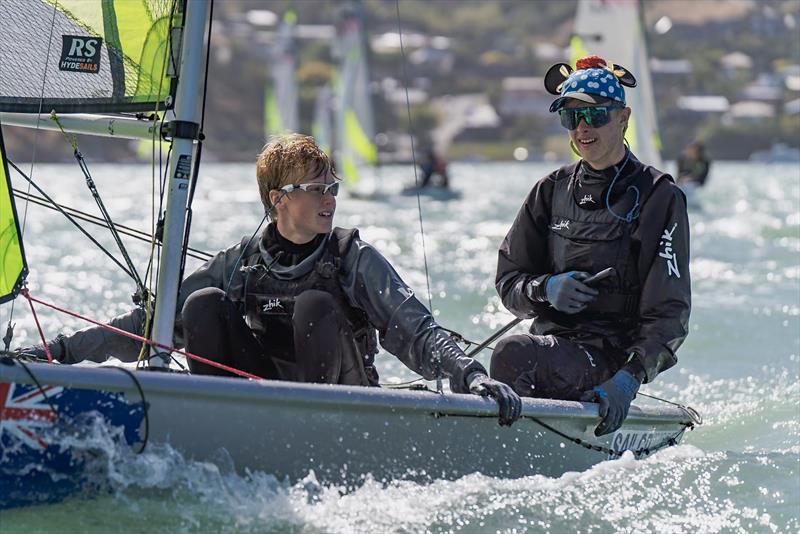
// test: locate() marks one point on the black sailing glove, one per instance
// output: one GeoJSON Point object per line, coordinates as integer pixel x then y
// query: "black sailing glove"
{"type": "Point", "coordinates": [567, 293]}
{"type": "Point", "coordinates": [614, 396]}
{"type": "Point", "coordinates": [509, 402]}
{"type": "Point", "coordinates": [37, 352]}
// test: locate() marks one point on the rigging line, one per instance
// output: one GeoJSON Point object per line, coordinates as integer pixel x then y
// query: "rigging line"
{"type": "Point", "coordinates": [142, 339]}
{"type": "Point", "coordinates": [35, 144]}
{"type": "Point", "coordinates": [100, 204]}
{"type": "Point", "coordinates": [69, 218]}
{"type": "Point", "coordinates": [414, 156]}
{"type": "Point", "coordinates": [93, 219]}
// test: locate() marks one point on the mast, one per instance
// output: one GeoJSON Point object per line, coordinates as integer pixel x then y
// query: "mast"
{"type": "Point", "coordinates": [184, 131]}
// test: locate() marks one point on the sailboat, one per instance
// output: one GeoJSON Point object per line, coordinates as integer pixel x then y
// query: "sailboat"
{"type": "Point", "coordinates": [615, 32]}
{"type": "Point", "coordinates": [281, 102]}
{"type": "Point", "coordinates": [355, 151]}
{"type": "Point", "coordinates": [49, 413]}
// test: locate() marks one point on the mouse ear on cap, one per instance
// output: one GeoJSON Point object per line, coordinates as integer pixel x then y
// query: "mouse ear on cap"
{"type": "Point", "coordinates": [555, 77]}
{"type": "Point", "coordinates": [623, 75]}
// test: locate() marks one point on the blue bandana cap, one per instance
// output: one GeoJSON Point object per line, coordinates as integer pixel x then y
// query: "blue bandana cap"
{"type": "Point", "coordinates": [592, 85]}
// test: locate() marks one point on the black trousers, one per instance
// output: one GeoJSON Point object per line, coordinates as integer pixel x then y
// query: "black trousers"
{"type": "Point", "coordinates": [215, 329]}
{"type": "Point", "coordinates": [551, 367]}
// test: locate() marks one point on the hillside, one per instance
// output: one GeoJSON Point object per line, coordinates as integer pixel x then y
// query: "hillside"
{"type": "Point", "coordinates": [485, 43]}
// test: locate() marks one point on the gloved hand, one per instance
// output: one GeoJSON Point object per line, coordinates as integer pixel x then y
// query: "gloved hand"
{"type": "Point", "coordinates": [508, 400]}
{"type": "Point", "coordinates": [567, 293]}
{"type": "Point", "coordinates": [614, 396]}
{"type": "Point", "coordinates": [37, 352]}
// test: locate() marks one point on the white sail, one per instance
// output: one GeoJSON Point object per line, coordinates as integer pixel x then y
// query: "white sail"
{"type": "Point", "coordinates": [281, 107]}
{"type": "Point", "coordinates": [613, 31]}
{"type": "Point", "coordinates": [322, 125]}
{"type": "Point", "coordinates": [355, 124]}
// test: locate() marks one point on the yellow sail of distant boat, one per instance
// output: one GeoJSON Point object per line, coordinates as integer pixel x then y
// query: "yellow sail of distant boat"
{"type": "Point", "coordinates": [13, 267]}
{"type": "Point", "coordinates": [356, 129]}
{"type": "Point", "coordinates": [281, 100]}
{"type": "Point", "coordinates": [613, 31]}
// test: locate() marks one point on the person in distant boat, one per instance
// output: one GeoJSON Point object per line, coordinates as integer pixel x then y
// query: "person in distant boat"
{"type": "Point", "coordinates": [432, 165]}
{"type": "Point", "coordinates": [595, 338]}
{"type": "Point", "coordinates": [693, 165]}
{"type": "Point", "coordinates": [303, 300]}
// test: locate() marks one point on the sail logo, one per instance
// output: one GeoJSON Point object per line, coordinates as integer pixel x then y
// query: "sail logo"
{"type": "Point", "coordinates": [562, 225]}
{"type": "Point", "coordinates": [668, 254]}
{"type": "Point", "coordinates": [586, 199]}
{"type": "Point", "coordinates": [80, 53]}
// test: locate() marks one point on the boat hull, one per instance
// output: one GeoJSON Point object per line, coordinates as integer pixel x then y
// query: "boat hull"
{"type": "Point", "coordinates": [344, 433]}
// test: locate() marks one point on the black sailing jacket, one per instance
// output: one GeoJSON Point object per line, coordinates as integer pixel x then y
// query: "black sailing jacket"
{"type": "Point", "coordinates": [652, 264]}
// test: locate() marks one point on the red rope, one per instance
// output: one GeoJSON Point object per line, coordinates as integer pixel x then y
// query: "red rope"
{"type": "Point", "coordinates": [150, 342]}
{"type": "Point", "coordinates": [24, 291]}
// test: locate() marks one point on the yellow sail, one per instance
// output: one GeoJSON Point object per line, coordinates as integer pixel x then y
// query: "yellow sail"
{"type": "Point", "coordinates": [13, 267]}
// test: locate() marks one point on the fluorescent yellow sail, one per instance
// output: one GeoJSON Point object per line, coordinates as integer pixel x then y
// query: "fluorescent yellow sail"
{"type": "Point", "coordinates": [13, 268]}
{"type": "Point", "coordinates": [104, 55]}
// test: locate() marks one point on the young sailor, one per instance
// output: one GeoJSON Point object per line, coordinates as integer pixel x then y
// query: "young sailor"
{"type": "Point", "coordinates": [595, 340]}
{"type": "Point", "coordinates": [303, 300]}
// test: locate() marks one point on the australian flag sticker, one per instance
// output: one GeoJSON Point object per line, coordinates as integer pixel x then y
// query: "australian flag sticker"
{"type": "Point", "coordinates": [80, 53]}
{"type": "Point", "coordinates": [46, 447]}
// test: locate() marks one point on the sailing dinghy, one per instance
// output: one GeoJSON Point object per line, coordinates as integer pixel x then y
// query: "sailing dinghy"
{"type": "Point", "coordinates": [51, 415]}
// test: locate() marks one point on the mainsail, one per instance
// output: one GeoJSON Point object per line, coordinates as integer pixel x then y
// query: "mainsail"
{"type": "Point", "coordinates": [355, 123]}
{"type": "Point", "coordinates": [612, 29]}
{"type": "Point", "coordinates": [85, 55]}
{"type": "Point", "coordinates": [13, 267]}
{"type": "Point", "coordinates": [114, 56]}
{"type": "Point", "coordinates": [281, 99]}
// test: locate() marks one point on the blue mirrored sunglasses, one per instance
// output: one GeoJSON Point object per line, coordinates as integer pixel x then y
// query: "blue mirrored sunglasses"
{"type": "Point", "coordinates": [317, 188]}
{"type": "Point", "coordinates": [595, 116]}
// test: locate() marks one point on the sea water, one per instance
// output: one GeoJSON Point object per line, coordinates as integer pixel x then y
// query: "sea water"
{"type": "Point", "coordinates": [739, 367]}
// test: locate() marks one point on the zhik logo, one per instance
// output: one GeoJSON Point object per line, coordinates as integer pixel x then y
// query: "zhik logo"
{"type": "Point", "coordinates": [667, 253]}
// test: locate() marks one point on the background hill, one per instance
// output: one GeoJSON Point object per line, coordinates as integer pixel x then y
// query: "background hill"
{"type": "Point", "coordinates": [726, 72]}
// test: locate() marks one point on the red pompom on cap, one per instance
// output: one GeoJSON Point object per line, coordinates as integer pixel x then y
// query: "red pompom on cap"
{"type": "Point", "coordinates": [590, 62]}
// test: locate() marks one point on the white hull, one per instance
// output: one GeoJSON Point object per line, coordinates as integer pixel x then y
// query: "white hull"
{"type": "Point", "coordinates": [341, 432]}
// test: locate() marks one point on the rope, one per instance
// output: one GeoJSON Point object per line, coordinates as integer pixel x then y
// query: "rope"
{"type": "Point", "coordinates": [69, 217]}
{"type": "Point", "coordinates": [143, 402]}
{"type": "Point", "coordinates": [35, 144]}
{"type": "Point", "coordinates": [646, 451]}
{"type": "Point", "coordinates": [38, 326]}
{"type": "Point", "coordinates": [414, 157]}
{"type": "Point", "coordinates": [101, 205]}
{"type": "Point", "coordinates": [130, 335]}
{"type": "Point", "coordinates": [92, 219]}
{"type": "Point", "coordinates": [42, 390]}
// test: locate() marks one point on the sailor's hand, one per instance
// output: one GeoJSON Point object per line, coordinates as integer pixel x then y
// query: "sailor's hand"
{"type": "Point", "coordinates": [614, 397]}
{"type": "Point", "coordinates": [509, 402]}
{"type": "Point", "coordinates": [567, 293]}
{"type": "Point", "coordinates": [38, 353]}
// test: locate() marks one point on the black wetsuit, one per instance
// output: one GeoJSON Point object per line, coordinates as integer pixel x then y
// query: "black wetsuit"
{"type": "Point", "coordinates": [565, 226]}
{"type": "Point", "coordinates": [365, 286]}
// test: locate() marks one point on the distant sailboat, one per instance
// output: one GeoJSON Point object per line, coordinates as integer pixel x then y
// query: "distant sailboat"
{"type": "Point", "coordinates": [281, 104]}
{"type": "Point", "coordinates": [322, 124]}
{"type": "Point", "coordinates": [355, 125]}
{"type": "Point", "coordinates": [613, 30]}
